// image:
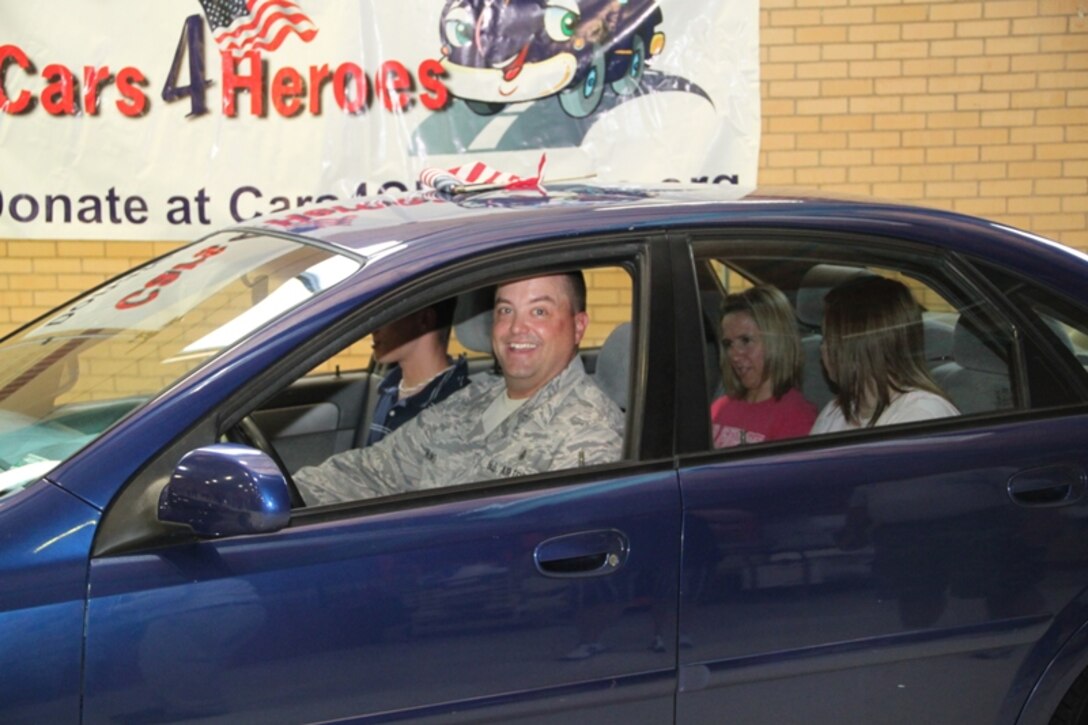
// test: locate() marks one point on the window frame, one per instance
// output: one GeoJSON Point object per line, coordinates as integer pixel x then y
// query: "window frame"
{"type": "Point", "coordinates": [130, 522]}
{"type": "Point", "coordinates": [1016, 293]}
{"type": "Point", "coordinates": [949, 274]}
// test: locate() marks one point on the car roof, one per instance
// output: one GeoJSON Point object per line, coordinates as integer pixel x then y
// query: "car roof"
{"type": "Point", "coordinates": [355, 224]}
{"type": "Point", "coordinates": [445, 226]}
{"type": "Point", "coordinates": [362, 225]}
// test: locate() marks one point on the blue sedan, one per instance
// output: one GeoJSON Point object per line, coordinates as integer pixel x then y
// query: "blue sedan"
{"type": "Point", "coordinates": [159, 565]}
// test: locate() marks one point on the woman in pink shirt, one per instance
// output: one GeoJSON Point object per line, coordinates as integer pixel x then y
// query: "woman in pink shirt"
{"type": "Point", "coordinates": [761, 370]}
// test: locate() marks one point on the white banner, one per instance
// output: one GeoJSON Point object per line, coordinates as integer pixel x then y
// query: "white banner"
{"type": "Point", "coordinates": [162, 121]}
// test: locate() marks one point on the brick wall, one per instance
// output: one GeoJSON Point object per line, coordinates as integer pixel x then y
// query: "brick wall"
{"type": "Point", "coordinates": [980, 107]}
{"type": "Point", "coordinates": [976, 106]}
{"type": "Point", "coordinates": [36, 276]}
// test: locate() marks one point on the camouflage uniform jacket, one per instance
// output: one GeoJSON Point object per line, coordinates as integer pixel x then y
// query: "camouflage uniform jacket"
{"type": "Point", "coordinates": [568, 423]}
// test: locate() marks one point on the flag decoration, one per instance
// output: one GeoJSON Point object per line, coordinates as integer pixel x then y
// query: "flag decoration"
{"type": "Point", "coordinates": [478, 176]}
{"type": "Point", "coordinates": [440, 180]}
{"type": "Point", "coordinates": [240, 26]}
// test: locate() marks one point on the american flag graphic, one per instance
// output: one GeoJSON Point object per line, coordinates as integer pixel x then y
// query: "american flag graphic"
{"type": "Point", "coordinates": [240, 26]}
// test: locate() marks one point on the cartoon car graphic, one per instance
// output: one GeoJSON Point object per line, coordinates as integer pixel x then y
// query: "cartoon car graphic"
{"type": "Point", "coordinates": [497, 52]}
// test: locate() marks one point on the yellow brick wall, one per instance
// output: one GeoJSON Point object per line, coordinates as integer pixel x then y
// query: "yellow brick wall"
{"type": "Point", "coordinates": [36, 276]}
{"type": "Point", "coordinates": [976, 106]}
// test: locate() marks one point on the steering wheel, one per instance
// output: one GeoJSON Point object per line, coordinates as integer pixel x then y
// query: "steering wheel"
{"type": "Point", "coordinates": [247, 432]}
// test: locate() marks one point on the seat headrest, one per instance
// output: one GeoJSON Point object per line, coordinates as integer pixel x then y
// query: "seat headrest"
{"type": "Point", "coordinates": [940, 332]}
{"type": "Point", "coordinates": [614, 364]}
{"type": "Point", "coordinates": [970, 352]}
{"type": "Point", "coordinates": [817, 282]}
{"type": "Point", "coordinates": [472, 319]}
{"type": "Point", "coordinates": [1062, 333]}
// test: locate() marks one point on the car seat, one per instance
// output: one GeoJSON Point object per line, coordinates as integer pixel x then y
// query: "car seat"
{"type": "Point", "coordinates": [976, 380]}
{"type": "Point", "coordinates": [711, 302]}
{"type": "Point", "coordinates": [816, 283]}
{"type": "Point", "coordinates": [472, 319]}
{"type": "Point", "coordinates": [938, 328]}
{"type": "Point", "coordinates": [614, 364]}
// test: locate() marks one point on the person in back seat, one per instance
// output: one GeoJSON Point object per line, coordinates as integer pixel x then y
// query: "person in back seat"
{"type": "Point", "coordinates": [761, 371]}
{"type": "Point", "coordinates": [424, 373]}
{"type": "Point", "coordinates": [874, 353]}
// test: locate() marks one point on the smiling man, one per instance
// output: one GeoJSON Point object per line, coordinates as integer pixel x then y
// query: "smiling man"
{"type": "Point", "coordinates": [544, 414]}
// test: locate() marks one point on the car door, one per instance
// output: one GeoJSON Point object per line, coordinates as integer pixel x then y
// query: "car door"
{"type": "Point", "coordinates": [319, 415]}
{"type": "Point", "coordinates": [542, 599]}
{"type": "Point", "coordinates": [47, 534]}
{"type": "Point", "coordinates": [468, 606]}
{"type": "Point", "coordinates": [925, 573]}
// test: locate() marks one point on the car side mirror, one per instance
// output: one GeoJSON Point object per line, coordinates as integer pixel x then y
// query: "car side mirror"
{"type": "Point", "coordinates": [226, 489]}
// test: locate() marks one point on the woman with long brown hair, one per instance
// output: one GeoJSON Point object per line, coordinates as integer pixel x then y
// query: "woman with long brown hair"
{"type": "Point", "coordinates": [874, 352]}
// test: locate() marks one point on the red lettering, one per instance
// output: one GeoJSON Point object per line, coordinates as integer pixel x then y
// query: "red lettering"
{"type": "Point", "coordinates": [165, 279]}
{"type": "Point", "coordinates": [288, 221]}
{"type": "Point", "coordinates": [93, 79]}
{"type": "Point", "coordinates": [22, 101]}
{"type": "Point", "coordinates": [347, 212]}
{"type": "Point", "coordinates": [129, 81]}
{"type": "Point", "coordinates": [150, 291]}
{"type": "Point", "coordinates": [59, 96]}
{"type": "Point", "coordinates": [355, 101]}
{"type": "Point", "coordinates": [209, 252]}
{"type": "Point", "coordinates": [431, 73]}
{"type": "Point", "coordinates": [319, 78]}
{"type": "Point", "coordinates": [135, 300]}
{"type": "Point", "coordinates": [287, 89]}
{"type": "Point", "coordinates": [291, 91]}
{"type": "Point", "coordinates": [233, 83]}
{"type": "Point", "coordinates": [394, 80]}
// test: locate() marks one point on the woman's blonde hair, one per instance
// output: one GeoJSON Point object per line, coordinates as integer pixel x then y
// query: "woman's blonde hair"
{"type": "Point", "coordinates": [875, 344]}
{"type": "Point", "coordinates": [782, 357]}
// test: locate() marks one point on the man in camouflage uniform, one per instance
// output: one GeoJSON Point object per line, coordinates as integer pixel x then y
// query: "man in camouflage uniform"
{"type": "Point", "coordinates": [545, 413]}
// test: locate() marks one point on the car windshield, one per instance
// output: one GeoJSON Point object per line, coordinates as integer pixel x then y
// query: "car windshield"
{"type": "Point", "coordinates": [70, 375]}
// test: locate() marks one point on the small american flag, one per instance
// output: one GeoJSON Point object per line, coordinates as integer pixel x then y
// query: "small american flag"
{"type": "Point", "coordinates": [240, 26]}
{"type": "Point", "coordinates": [480, 173]}
{"type": "Point", "coordinates": [478, 176]}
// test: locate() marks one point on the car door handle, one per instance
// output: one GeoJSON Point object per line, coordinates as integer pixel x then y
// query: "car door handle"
{"type": "Point", "coordinates": [587, 553]}
{"type": "Point", "coordinates": [1058, 485]}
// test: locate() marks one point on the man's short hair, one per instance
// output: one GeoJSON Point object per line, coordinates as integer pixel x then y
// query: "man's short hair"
{"type": "Point", "coordinates": [443, 317]}
{"type": "Point", "coordinates": [576, 288]}
{"type": "Point", "coordinates": [444, 310]}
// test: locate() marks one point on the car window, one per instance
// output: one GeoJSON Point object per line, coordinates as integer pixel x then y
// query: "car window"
{"type": "Point", "coordinates": [898, 316]}
{"type": "Point", "coordinates": [1072, 335]}
{"type": "Point", "coordinates": [71, 375]}
{"type": "Point", "coordinates": [409, 451]}
{"type": "Point", "coordinates": [1055, 343]}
